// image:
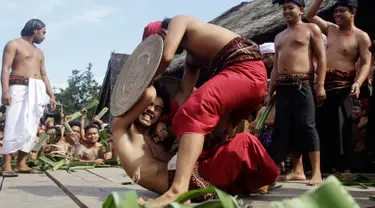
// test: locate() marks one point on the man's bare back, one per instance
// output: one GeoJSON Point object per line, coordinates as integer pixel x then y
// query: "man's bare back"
{"type": "Point", "coordinates": [294, 49]}
{"type": "Point", "coordinates": [203, 41]}
{"type": "Point", "coordinates": [28, 58]}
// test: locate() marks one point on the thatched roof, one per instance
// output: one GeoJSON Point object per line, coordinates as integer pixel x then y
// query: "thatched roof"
{"type": "Point", "coordinates": [261, 21]}
{"type": "Point", "coordinates": [115, 64]}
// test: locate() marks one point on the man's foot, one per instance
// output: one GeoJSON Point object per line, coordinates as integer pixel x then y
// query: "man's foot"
{"type": "Point", "coordinates": [295, 176]}
{"type": "Point", "coordinates": [163, 200]}
{"type": "Point", "coordinates": [27, 169]}
{"type": "Point", "coordinates": [316, 180]}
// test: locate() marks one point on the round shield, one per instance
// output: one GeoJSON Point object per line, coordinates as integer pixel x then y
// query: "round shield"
{"type": "Point", "coordinates": [136, 74]}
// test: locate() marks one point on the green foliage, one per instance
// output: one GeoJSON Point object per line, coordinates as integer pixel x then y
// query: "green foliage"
{"type": "Point", "coordinates": [82, 88]}
{"type": "Point", "coordinates": [130, 199]}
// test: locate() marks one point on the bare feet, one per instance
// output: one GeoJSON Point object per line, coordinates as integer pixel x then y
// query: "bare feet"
{"type": "Point", "coordinates": [23, 168]}
{"type": "Point", "coordinates": [162, 200]}
{"type": "Point", "coordinates": [295, 176]}
{"type": "Point", "coordinates": [316, 179]}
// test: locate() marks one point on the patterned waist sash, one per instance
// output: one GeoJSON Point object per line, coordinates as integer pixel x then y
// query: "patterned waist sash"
{"type": "Point", "coordinates": [237, 50]}
{"type": "Point", "coordinates": [339, 79]}
{"type": "Point", "coordinates": [295, 79]}
{"type": "Point", "coordinates": [18, 80]}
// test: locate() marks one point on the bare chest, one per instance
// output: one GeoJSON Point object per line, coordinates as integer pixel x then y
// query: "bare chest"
{"type": "Point", "coordinates": [345, 45]}
{"type": "Point", "coordinates": [293, 40]}
{"type": "Point", "coordinates": [28, 53]}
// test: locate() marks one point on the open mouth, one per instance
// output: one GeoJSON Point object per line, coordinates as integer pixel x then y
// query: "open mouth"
{"type": "Point", "coordinates": [147, 116]}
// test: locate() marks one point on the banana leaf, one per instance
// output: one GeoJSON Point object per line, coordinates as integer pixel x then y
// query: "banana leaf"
{"type": "Point", "coordinates": [47, 160]}
{"type": "Point", "coordinates": [52, 139]}
{"type": "Point", "coordinates": [67, 127]}
{"type": "Point", "coordinates": [92, 104]}
{"type": "Point", "coordinates": [264, 116]}
{"type": "Point", "coordinates": [130, 198]}
{"type": "Point", "coordinates": [104, 140]}
{"type": "Point", "coordinates": [357, 180]}
{"type": "Point", "coordinates": [78, 114]}
{"type": "Point", "coordinates": [330, 194]}
{"type": "Point", "coordinates": [113, 161]}
{"type": "Point", "coordinates": [74, 116]}
{"type": "Point", "coordinates": [58, 165]}
{"type": "Point", "coordinates": [102, 113]}
{"type": "Point", "coordinates": [372, 198]}
{"type": "Point", "coordinates": [40, 143]}
{"type": "Point", "coordinates": [102, 166]}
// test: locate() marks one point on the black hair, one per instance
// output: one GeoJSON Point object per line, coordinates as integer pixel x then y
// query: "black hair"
{"type": "Point", "coordinates": [162, 92]}
{"type": "Point", "coordinates": [90, 126]}
{"type": "Point", "coordinates": [30, 26]}
{"type": "Point", "coordinates": [164, 25]}
{"type": "Point", "coordinates": [2, 126]}
{"type": "Point", "coordinates": [74, 123]}
{"type": "Point", "coordinates": [97, 123]}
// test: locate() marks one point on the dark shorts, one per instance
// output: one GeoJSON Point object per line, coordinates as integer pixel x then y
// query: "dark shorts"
{"type": "Point", "coordinates": [294, 126]}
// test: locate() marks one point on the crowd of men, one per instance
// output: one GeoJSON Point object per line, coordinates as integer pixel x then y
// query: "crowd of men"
{"type": "Point", "coordinates": [317, 100]}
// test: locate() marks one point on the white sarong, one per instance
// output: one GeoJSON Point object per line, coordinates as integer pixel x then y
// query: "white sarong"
{"type": "Point", "coordinates": [23, 116]}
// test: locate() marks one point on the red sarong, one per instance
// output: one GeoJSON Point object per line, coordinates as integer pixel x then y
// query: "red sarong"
{"type": "Point", "coordinates": [239, 166]}
{"type": "Point", "coordinates": [237, 89]}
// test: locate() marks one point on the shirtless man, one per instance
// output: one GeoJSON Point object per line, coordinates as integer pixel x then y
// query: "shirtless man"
{"type": "Point", "coordinates": [90, 148]}
{"type": "Point", "coordinates": [235, 61]}
{"type": "Point", "coordinates": [28, 77]}
{"type": "Point", "coordinates": [293, 80]}
{"type": "Point", "coordinates": [141, 149]}
{"type": "Point", "coordinates": [345, 45]}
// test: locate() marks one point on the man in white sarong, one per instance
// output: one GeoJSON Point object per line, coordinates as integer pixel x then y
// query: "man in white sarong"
{"type": "Point", "coordinates": [24, 94]}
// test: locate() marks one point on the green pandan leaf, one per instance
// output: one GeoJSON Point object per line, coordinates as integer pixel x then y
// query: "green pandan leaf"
{"type": "Point", "coordinates": [122, 200]}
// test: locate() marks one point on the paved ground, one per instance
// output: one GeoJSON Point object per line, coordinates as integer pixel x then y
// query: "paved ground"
{"type": "Point", "coordinates": [90, 188]}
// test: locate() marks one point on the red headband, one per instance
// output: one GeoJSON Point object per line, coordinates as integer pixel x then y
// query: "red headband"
{"type": "Point", "coordinates": [151, 29]}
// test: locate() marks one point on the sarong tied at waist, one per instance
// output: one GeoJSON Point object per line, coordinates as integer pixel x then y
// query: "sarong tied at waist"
{"type": "Point", "coordinates": [237, 50]}
{"type": "Point", "coordinates": [295, 79]}
{"type": "Point", "coordinates": [339, 79]}
{"type": "Point", "coordinates": [18, 80]}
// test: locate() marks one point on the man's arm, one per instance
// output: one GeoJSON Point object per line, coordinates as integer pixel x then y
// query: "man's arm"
{"type": "Point", "coordinates": [176, 30]}
{"type": "Point", "coordinates": [43, 73]}
{"type": "Point", "coordinates": [191, 74]}
{"type": "Point", "coordinates": [365, 58]}
{"type": "Point", "coordinates": [121, 124]}
{"type": "Point", "coordinates": [9, 53]}
{"type": "Point", "coordinates": [312, 16]}
{"type": "Point", "coordinates": [320, 54]}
